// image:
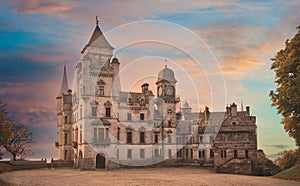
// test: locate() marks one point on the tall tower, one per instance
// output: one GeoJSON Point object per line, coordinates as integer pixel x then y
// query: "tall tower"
{"type": "Point", "coordinates": [166, 90]}
{"type": "Point", "coordinates": [92, 94]}
{"type": "Point", "coordinates": [64, 116]}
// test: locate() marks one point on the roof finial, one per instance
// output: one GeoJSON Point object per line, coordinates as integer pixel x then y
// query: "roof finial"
{"type": "Point", "coordinates": [97, 22]}
{"type": "Point", "coordinates": [166, 66]}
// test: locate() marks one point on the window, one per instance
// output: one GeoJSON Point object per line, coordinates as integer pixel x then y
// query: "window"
{"type": "Point", "coordinates": [142, 137]}
{"type": "Point", "coordinates": [101, 91]}
{"type": "Point", "coordinates": [66, 119]}
{"type": "Point", "coordinates": [169, 111]}
{"type": "Point", "coordinates": [234, 123]}
{"type": "Point", "coordinates": [246, 153]}
{"type": "Point", "coordinates": [200, 139]}
{"type": "Point", "coordinates": [118, 134]}
{"type": "Point", "coordinates": [142, 116]}
{"type": "Point", "coordinates": [94, 111]}
{"type": "Point", "coordinates": [129, 116]}
{"type": "Point", "coordinates": [211, 139]}
{"type": "Point", "coordinates": [169, 139]}
{"type": "Point", "coordinates": [129, 101]}
{"type": "Point", "coordinates": [142, 153]}
{"type": "Point", "coordinates": [107, 133]}
{"type": "Point", "coordinates": [142, 101]}
{"type": "Point", "coordinates": [66, 154]}
{"type": "Point", "coordinates": [201, 153]}
{"type": "Point", "coordinates": [95, 134]}
{"type": "Point", "coordinates": [191, 153]}
{"type": "Point", "coordinates": [80, 137]}
{"type": "Point", "coordinates": [235, 153]}
{"type": "Point", "coordinates": [170, 153]}
{"type": "Point", "coordinates": [169, 124]}
{"type": "Point", "coordinates": [101, 133]}
{"type": "Point", "coordinates": [129, 153]}
{"type": "Point", "coordinates": [211, 153]}
{"type": "Point", "coordinates": [107, 112]}
{"type": "Point", "coordinates": [156, 138]}
{"type": "Point", "coordinates": [156, 153]}
{"type": "Point", "coordinates": [223, 154]}
{"type": "Point", "coordinates": [66, 138]}
{"type": "Point", "coordinates": [118, 154]}
{"type": "Point", "coordinates": [129, 137]}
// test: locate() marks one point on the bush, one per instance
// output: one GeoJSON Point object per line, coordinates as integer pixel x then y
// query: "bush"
{"type": "Point", "coordinates": [288, 159]}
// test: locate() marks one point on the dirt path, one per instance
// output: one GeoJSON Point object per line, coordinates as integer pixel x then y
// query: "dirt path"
{"type": "Point", "coordinates": [147, 176]}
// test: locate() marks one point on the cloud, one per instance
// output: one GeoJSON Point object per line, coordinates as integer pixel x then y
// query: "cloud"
{"type": "Point", "coordinates": [279, 146]}
{"type": "Point", "coordinates": [43, 6]}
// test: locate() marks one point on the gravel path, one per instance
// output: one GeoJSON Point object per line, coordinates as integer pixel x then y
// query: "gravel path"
{"type": "Point", "coordinates": [145, 176]}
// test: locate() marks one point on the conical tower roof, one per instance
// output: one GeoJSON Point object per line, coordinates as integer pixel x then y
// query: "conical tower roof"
{"type": "Point", "coordinates": [94, 41]}
{"type": "Point", "coordinates": [64, 84]}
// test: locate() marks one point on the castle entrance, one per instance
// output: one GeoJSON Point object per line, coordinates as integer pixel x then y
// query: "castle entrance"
{"type": "Point", "coordinates": [100, 161]}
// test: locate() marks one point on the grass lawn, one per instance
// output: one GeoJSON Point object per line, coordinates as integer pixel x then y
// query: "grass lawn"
{"type": "Point", "coordinates": [289, 174]}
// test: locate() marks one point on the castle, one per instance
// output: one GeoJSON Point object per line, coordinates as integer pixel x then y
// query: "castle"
{"type": "Point", "coordinates": [100, 126]}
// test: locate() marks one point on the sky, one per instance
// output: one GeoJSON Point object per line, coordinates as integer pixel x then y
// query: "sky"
{"type": "Point", "coordinates": [37, 37]}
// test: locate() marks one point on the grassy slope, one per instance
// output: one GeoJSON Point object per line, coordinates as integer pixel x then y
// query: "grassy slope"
{"type": "Point", "coordinates": [289, 174]}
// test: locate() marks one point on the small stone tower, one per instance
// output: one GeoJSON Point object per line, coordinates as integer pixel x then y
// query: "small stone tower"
{"type": "Point", "coordinates": [64, 116]}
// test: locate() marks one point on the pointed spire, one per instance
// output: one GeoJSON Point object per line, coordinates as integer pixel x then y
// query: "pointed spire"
{"type": "Point", "coordinates": [97, 34]}
{"type": "Point", "coordinates": [64, 84]}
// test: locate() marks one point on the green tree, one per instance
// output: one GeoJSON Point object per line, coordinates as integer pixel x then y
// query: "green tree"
{"type": "Point", "coordinates": [286, 97]}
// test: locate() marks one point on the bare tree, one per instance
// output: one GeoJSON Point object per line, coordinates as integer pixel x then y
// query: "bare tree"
{"type": "Point", "coordinates": [16, 138]}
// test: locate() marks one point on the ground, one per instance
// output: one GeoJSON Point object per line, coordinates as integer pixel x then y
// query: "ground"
{"type": "Point", "coordinates": [139, 176]}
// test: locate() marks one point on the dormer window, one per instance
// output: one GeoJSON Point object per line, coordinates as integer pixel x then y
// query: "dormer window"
{"type": "Point", "coordinates": [142, 102]}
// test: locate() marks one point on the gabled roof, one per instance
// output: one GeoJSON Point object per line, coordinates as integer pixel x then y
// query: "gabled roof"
{"type": "Point", "coordinates": [64, 84]}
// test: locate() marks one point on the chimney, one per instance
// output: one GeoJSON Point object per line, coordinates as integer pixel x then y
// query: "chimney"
{"type": "Point", "coordinates": [248, 110]}
{"type": "Point", "coordinates": [233, 109]}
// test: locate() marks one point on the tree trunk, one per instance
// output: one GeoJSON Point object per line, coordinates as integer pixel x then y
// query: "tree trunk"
{"type": "Point", "coordinates": [14, 157]}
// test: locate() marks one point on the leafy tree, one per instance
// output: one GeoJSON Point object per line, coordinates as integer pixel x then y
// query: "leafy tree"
{"type": "Point", "coordinates": [286, 97]}
{"type": "Point", "coordinates": [16, 138]}
{"type": "Point", "coordinates": [288, 159]}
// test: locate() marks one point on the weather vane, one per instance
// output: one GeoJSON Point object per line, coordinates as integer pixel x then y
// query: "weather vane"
{"type": "Point", "coordinates": [97, 22]}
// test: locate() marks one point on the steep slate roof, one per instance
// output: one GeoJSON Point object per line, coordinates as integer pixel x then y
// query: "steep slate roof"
{"type": "Point", "coordinates": [64, 84]}
{"type": "Point", "coordinates": [102, 42]}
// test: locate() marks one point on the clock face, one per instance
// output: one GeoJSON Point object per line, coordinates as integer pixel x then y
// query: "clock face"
{"type": "Point", "coordinates": [169, 91]}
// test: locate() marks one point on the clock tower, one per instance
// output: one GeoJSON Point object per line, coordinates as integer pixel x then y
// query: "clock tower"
{"type": "Point", "coordinates": [166, 91]}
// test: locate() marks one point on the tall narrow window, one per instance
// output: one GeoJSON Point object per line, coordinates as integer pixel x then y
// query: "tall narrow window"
{"type": "Point", "coordinates": [101, 133]}
{"type": "Point", "coordinates": [156, 138]}
{"type": "Point", "coordinates": [129, 153]}
{"type": "Point", "coordinates": [129, 116]}
{"type": "Point", "coordinates": [66, 154]}
{"type": "Point", "coordinates": [169, 139]}
{"type": "Point", "coordinates": [94, 111]}
{"type": "Point", "coordinates": [156, 153]}
{"type": "Point", "coordinates": [211, 154]}
{"type": "Point", "coordinates": [235, 154]}
{"type": "Point", "coordinates": [142, 153]}
{"type": "Point", "coordinates": [170, 153]}
{"type": "Point", "coordinates": [101, 91]}
{"type": "Point", "coordinates": [142, 137]}
{"type": "Point", "coordinates": [66, 138]}
{"type": "Point", "coordinates": [223, 154]}
{"type": "Point", "coordinates": [107, 113]}
{"type": "Point", "coordinates": [107, 133]}
{"type": "Point", "coordinates": [169, 124]}
{"type": "Point", "coordinates": [129, 137]}
{"type": "Point", "coordinates": [80, 136]}
{"type": "Point", "coordinates": [95, 134]}
{"type": "Point", "coordinates": [66, 119]}
{"type": "Point", "coordinates": [80, 112]}
{"type": "Point", "coordinates": [118, 134]}
{"type": "Point", "coordinates": [246, 154]}
{"type": "Point", "coordinates": [142, 116]}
